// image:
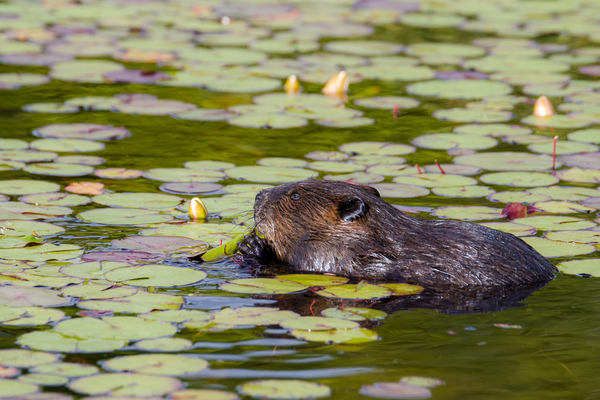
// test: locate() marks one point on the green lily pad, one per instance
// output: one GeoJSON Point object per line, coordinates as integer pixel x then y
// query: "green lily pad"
{"type": "Point", "coordinates": [86, 131]}
{"type": "Point", "coordinates": [284, 389]}
{"type": "Point", "coordinates": [208, 164]}
{"type": "Point", "coordinates": [25, 358]}
{"type": "Point", "coordinates": [183, 175]}
{"type": "Point", "coordinates": [361, 291]}
{"type": "Point", "coordinates": [519, 179]}
{"type": "Point", "coordinates": [57, 169]}
{"type": "Point", "coordinates": [459, 89]}
{"type": "Point", "coordinates": [189, 187]}
{"type": "Point", "coordinates": [318, 324]}
{"type": "Point", "coordinates": [90, 270]}
{"type": "Point", "coordinates": [435, 180]}
{"type": "Point", "coordinates": [66, 145]}
{"type": "Point", "coordinates": [579, 175]}
{"type": "Point", "coordinates": [154, 275]}
{"type": "Point", "coordinates": [508, 161]}
{"type": "Point", "coordinates": [377, 148]}
{"type": "Point", "coordinates": [122, 216]}
{"type": "Point", "coordinates": [520, 196]}
{"type": "Point", "coordinates": [153, 107]}
{"type": "Point", "coordinates": [511, 227]}
{"type": "Point", "coordinates": [262, 286]}
{"type": "Point", "coordinates": [11, 165]}
{"type": "Point", "coordinates": [140, 302]}
{"type": "Point", "coordinates": [493, 63]}
{"type": "Point", "coordinates": [153, 201]}
{"type": "Point", "coordinates": [18, 80]}
{"type": "Point", "coordinates": [470, 115]}
{"type": "Point", "coordinates": [492, 129]}
{"type": "Point", "coordinates": [553, 249]}
{"type": "Point", "coordinates": [444, 141]}
{"type": "Point", "coordinates": [156, 364]}
{"type": "Point", "coordinates": [115, 328]}
{"type": "Point", "coordinates": [96, 103]}
{"type": "Point", "coordinates": [562, 207]}
{"type": "Point", "coordinates": [118, 173]}
{"type": "Point", "coordinates": [403, 73]}
{"type": "Point", "coordinates": [56, 199]}
{"type": "Point", "coordinates": [556, 121]}
{"type": "Point", "coordinates": [345, 122]}
{"type": "Point", "coordinates": [356, 177]}
{"type": "Point", "coordinates": [564, 193]}
{"type": "Point", "coordinates": [398, 190]}
{"type": "Point", "coordinates": [159, 244]}
{"type": "Point", "coordinates": [314, 280]}
{"type": "Point", "coordinates": [17, 210]}
{"type": "Point", "coordinates": [13, 144]}
{"type": "Point", "coordinates": [364, 47]}
{"type": "Point", "coordinates": [584, 236]}
{"type": "Point", "coordinates": [354, 313]}
{"type": "Point", "coordinates": [88, 71]}
{"type": "Point", "coordinates": [585, 135]}
{"type": "Point", "coordinates": [562, 147]}
{"type": "Point", "coordinates": [463, 191]}
{"type": "Point", "coordinates": [395, 390]}
{"type": "Point", "coordinates": [473, 213]}
{"type": "Point", "coordinates": [27, 155]}
{"type": "Point", "coordinates": [13, 389]}
{"type": "Point", "coordinates": [281, 162]}
{"type": "Point", "coordinates": [250, 316]}
{"type": "Point", "coordinates": [246, 84]}
{"type": "Point", "coordinates": [529, 77]}
{"type": "Point", "coordinates": [43, 252]}
{"type": "Point", "coordinates": [555, 223]}
{"type": "Point", "coordinates": [302, 100]}
{"type": "Point", "coordinates": [50, 108]}
{"type": "Point", "coordinates": [205, 114]}
{"type": "Point", "coordinates": [164, 345]}
{"type": "Point", "coordinates": [203, 394]}
{"type": "Point", "coordinates": [580, 267]}
{"type": "Point", "coordinates": [387, 102]}
{"type": "Point", "coordinates": [425, 20]}
{"type": "Point", "coordinates": [28, 296]}
{"type": "Point", "coordinates": [119, 384]}
{"type": "Point", "coordinates": [67, 369]}
{"type": "Point", "coordinates": [350, 336]}
{"type": "Point", "coordinates": [43, 379]}
{"type": "Point", "coordinates": [35, 316]}
{"type": "Point", "coordinates": [178, 316]}
{"type": "Point", "coordinates": [268, 121]}
{"type": "Point", "coordinates": [270, 174]}
{"type": "Point", "coordinates": [24, 187]}
{"type": "Point", "coordinates": [335, 166]}
{"type": "Point", "coordinates": [446, 49]}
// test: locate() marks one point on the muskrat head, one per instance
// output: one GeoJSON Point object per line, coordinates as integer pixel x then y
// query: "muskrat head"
{"type": "Point", "coordinates": [313, 220]}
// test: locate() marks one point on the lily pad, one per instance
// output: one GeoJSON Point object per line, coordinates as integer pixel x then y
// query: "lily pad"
{"type": "Point", "coordinates": [354, 313]}
{"type": "Point", "coordinates": [585, 135]}
{"type": "Point", "coordinates": [17, 80]}
{"type": "Point", "coordinates": [314, 280]}
{"type": "Point", "coordinates": [122, 216]}
{"type": "Point", "coordinates": [361, 291]}
{"type": "Point", "coordinates": [555, 223]}
{"type": "Point", "coordinates": [86, 131]}
{"type": "Point", "coordinates": [25, 358]}
{"type": "Point", "coordinates": [28, 296]}
{"type": "Point", "coordinates": [13, 389]}
{"type": "Point", "coordinates": [473, 213]}
{"type": "Point", "coordinates": [435, 180]}
{"type": "Point", "coordinates": [159, 244]}
{"type": "Point", "coordinates": [302, 100]}
{"type": "Point", "coordinates": [471, 115]}
{"type": "Point", "coordinates": [284, 389]}
{"type": "Point", "coordinates": [270, 174]}
{"type": "Point", "coordinates": [156, 364]}
{"type": "Point", "coordinates": [397, 190]}
{"type": "Point", "coordinates": [268, 121]}
{"type": "Point", "coordinates": [553, 249]}
{"type": "Point", "coordinates": [43, 252]}
{"type": "Point", "coordinates": [155, 275]}
{"type": "Point", "coordinates": [183, 175]}
{"type": "Point", "coordinates": [463, 191]}
{"type": "Point", "coordinates": [50, 108]}
{"type": "Point", "coordinates": [67, 369]}
{"type": "Point", "coordinates": [395, 390]}
{"type": "Point", "coordinates": [459, 89]}
{"type": "Point", "coordinates": [128, 384]}
{"type": "Point", "coordinates": [579, 175]}
{"type": "Point", "coordinates": [519, 179]}
{"type": "Point", "coordinates": [115, 328]}
{"type": "Point", "coordinates": [164, 345]}
{"type": "Point", "coordinates": [318, 324]}
{"type": "Point", "coordinates": [118, 173]}
{"type": "Point", "coordinates": [580, 267]}
{"type": "Point", "coordinates": [350, 336]}
{"type": "Point", "coordinates": [27, 155]}
{"type": "Point", "coordinates": [57, 169]}
{"type": "Point", "coordinates": [444, 141]}
{"type": "Point", "coordinates": [262, 286]}
{"type": "Point", "coordinates": [511, 227]}
{"type": "Point", "coordinates": [584, 236]}
{"type": "Point", "coordinates": [152, 201]}
{"type": "Point", "coordinates": [250, 316]}
{"type": "Point", "coordinates": [24, 187]}
{"type": "Point", "coordinates": [56, 199]}
{"type": "Point", "coordinates": [492, 129]}
{"type": "Point", "coordinates": [508, 161]}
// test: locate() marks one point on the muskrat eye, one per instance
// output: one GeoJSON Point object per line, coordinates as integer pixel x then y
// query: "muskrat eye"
{"type": "Point", "coordinates": [295, 196]}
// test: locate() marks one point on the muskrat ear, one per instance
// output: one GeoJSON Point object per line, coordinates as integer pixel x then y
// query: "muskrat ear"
{"type": "Point", "coordinates": [351, 208]}
{"type": "Point", "coordinates": [371, 190]}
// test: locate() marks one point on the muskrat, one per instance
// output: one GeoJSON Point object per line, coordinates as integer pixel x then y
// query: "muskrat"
{"type": "Point", "coordinates": [348, 230]}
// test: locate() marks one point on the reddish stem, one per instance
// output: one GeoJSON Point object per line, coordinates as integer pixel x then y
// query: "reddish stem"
{"type": "Point", "coordinates": [311, 310]}
{"type": "Point", "coordinates": [396, 109]}
{"type": "Point", "coordinates": [418, 169]}
{"type": "Point", "coordinates": [440, 167]}
{"type": "Point", "coordinates": [554, 152]}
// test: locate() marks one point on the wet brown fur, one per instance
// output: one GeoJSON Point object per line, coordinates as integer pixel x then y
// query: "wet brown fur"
{"type": "Point", "coordinates": [348, 230]}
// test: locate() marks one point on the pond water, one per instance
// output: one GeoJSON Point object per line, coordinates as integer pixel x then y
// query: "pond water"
{"type": "Point", "coordinates": [181, 95]}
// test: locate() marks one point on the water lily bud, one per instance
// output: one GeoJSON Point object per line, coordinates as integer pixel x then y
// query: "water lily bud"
{"type": "Point", "coordinates": [337, 84]}
{"type": "Point", "coordinates": [543, 107]}
{"type": "Point", "coordinates": [197, 209]}
{"type": "Point", "coordinates": [292, 85]}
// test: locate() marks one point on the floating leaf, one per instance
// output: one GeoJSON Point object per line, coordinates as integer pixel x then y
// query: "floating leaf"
{"type": "Point", "coordinates": [115, 328]}
{"type": "Point", "coordinates": [435, 180]}
{"type": "Point", "coordinates": [268, 121]}
{"type": "Point", "coordinates": [27, 296]}
{"type": "Point", "coordinates": [66, 145]}
{"type": "Point", "coordinates": [183, 175]}
{"type": "Point", "coordinates": [120, 384]}
{"type": "Point", "coordinates": [122, 216]}
{"type": "Point", "coordinates": [43, 379]}
{"type": "Point", "coordinates": [57, 169]}
{"type": "Point", "coordinates": [580, 267]}
{"type": "Point", "coordinates": [508, 161]}
{"type": "Point", "coordinates": [472, 115]}
{"type": "Point", "coordinates": [318, 324]}
{"type": "Point", "coordinates": [270, 174]}
{"type": "Point", "coordinates": [12, 388]}
{"type": "Point", "coordinates": [360, 335]}
{"type": "Point", "coordinates": [155, 275]}
{"type": "Point", "coordinates": [444, 141]}
{"type": "Point", "coordinates": [118, 173]}
{"type": "Point", "coordinates": [387, 102]}
{"type": "Point", "coordinates": [584, 236]}
{"type": "Point", "coordinates": [82, 131]}
{"type": "Point", "coordinates": [511, 227]}
{"type": "Point", "coordinates": [519, 179]}
{"type": "Point", "coordinates": [463, 191]}
{"type": "Point", "coordinates": [156, 364]}
{"type": "Point", "coordinates": [153, 201]}
{"type": "Point", "coordinates": [23, 187]}
{"type": "Point", "coordinates": [43, 252]}
{"type": "Point", "coordinates": [68, 369]}
{"type": "Point", "coordinates": [164, 344]}
{"type": "Point", "coordinates": [552, 249]}
{"type": "Point", "coordinates": [284, 389]}
{"type": "Point", "coordinates": [56, 199]}
{"type": "Point", "coordinates": [262, 286]}
{"type": "Point", "coordinates": [492, 129]}
{"type": "Point", "coordinates": [402, 289]}
{"type": "Point", "coordinates": [203, 394]}
{"type": "Point", "coordinates": [354, 313]}
{"type": "Point", "coordinates": [250, 316]}
{"type": "Point", "coordinates": [395, 390]}
{"type": "Point", "coordinates": [459, 89]}
{"type": "Point", "coordinates": [25, 358]}
{"type": "Point", "coordinates": [555, 223]}
{"type": "Point", "coordinates": [365, 291]}
{"type": "Point", "coordinates": [314, 280]}
{"type": "Point", "coordinates": [473, 213]}
{"type": "Point", "coordinates": [397, 190]}
{"type": "Point", "coordinates": [377, 148]}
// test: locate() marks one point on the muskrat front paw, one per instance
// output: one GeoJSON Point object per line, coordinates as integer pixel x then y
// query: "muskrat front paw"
{"type": "Point", "coordinates": [255, 247]}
